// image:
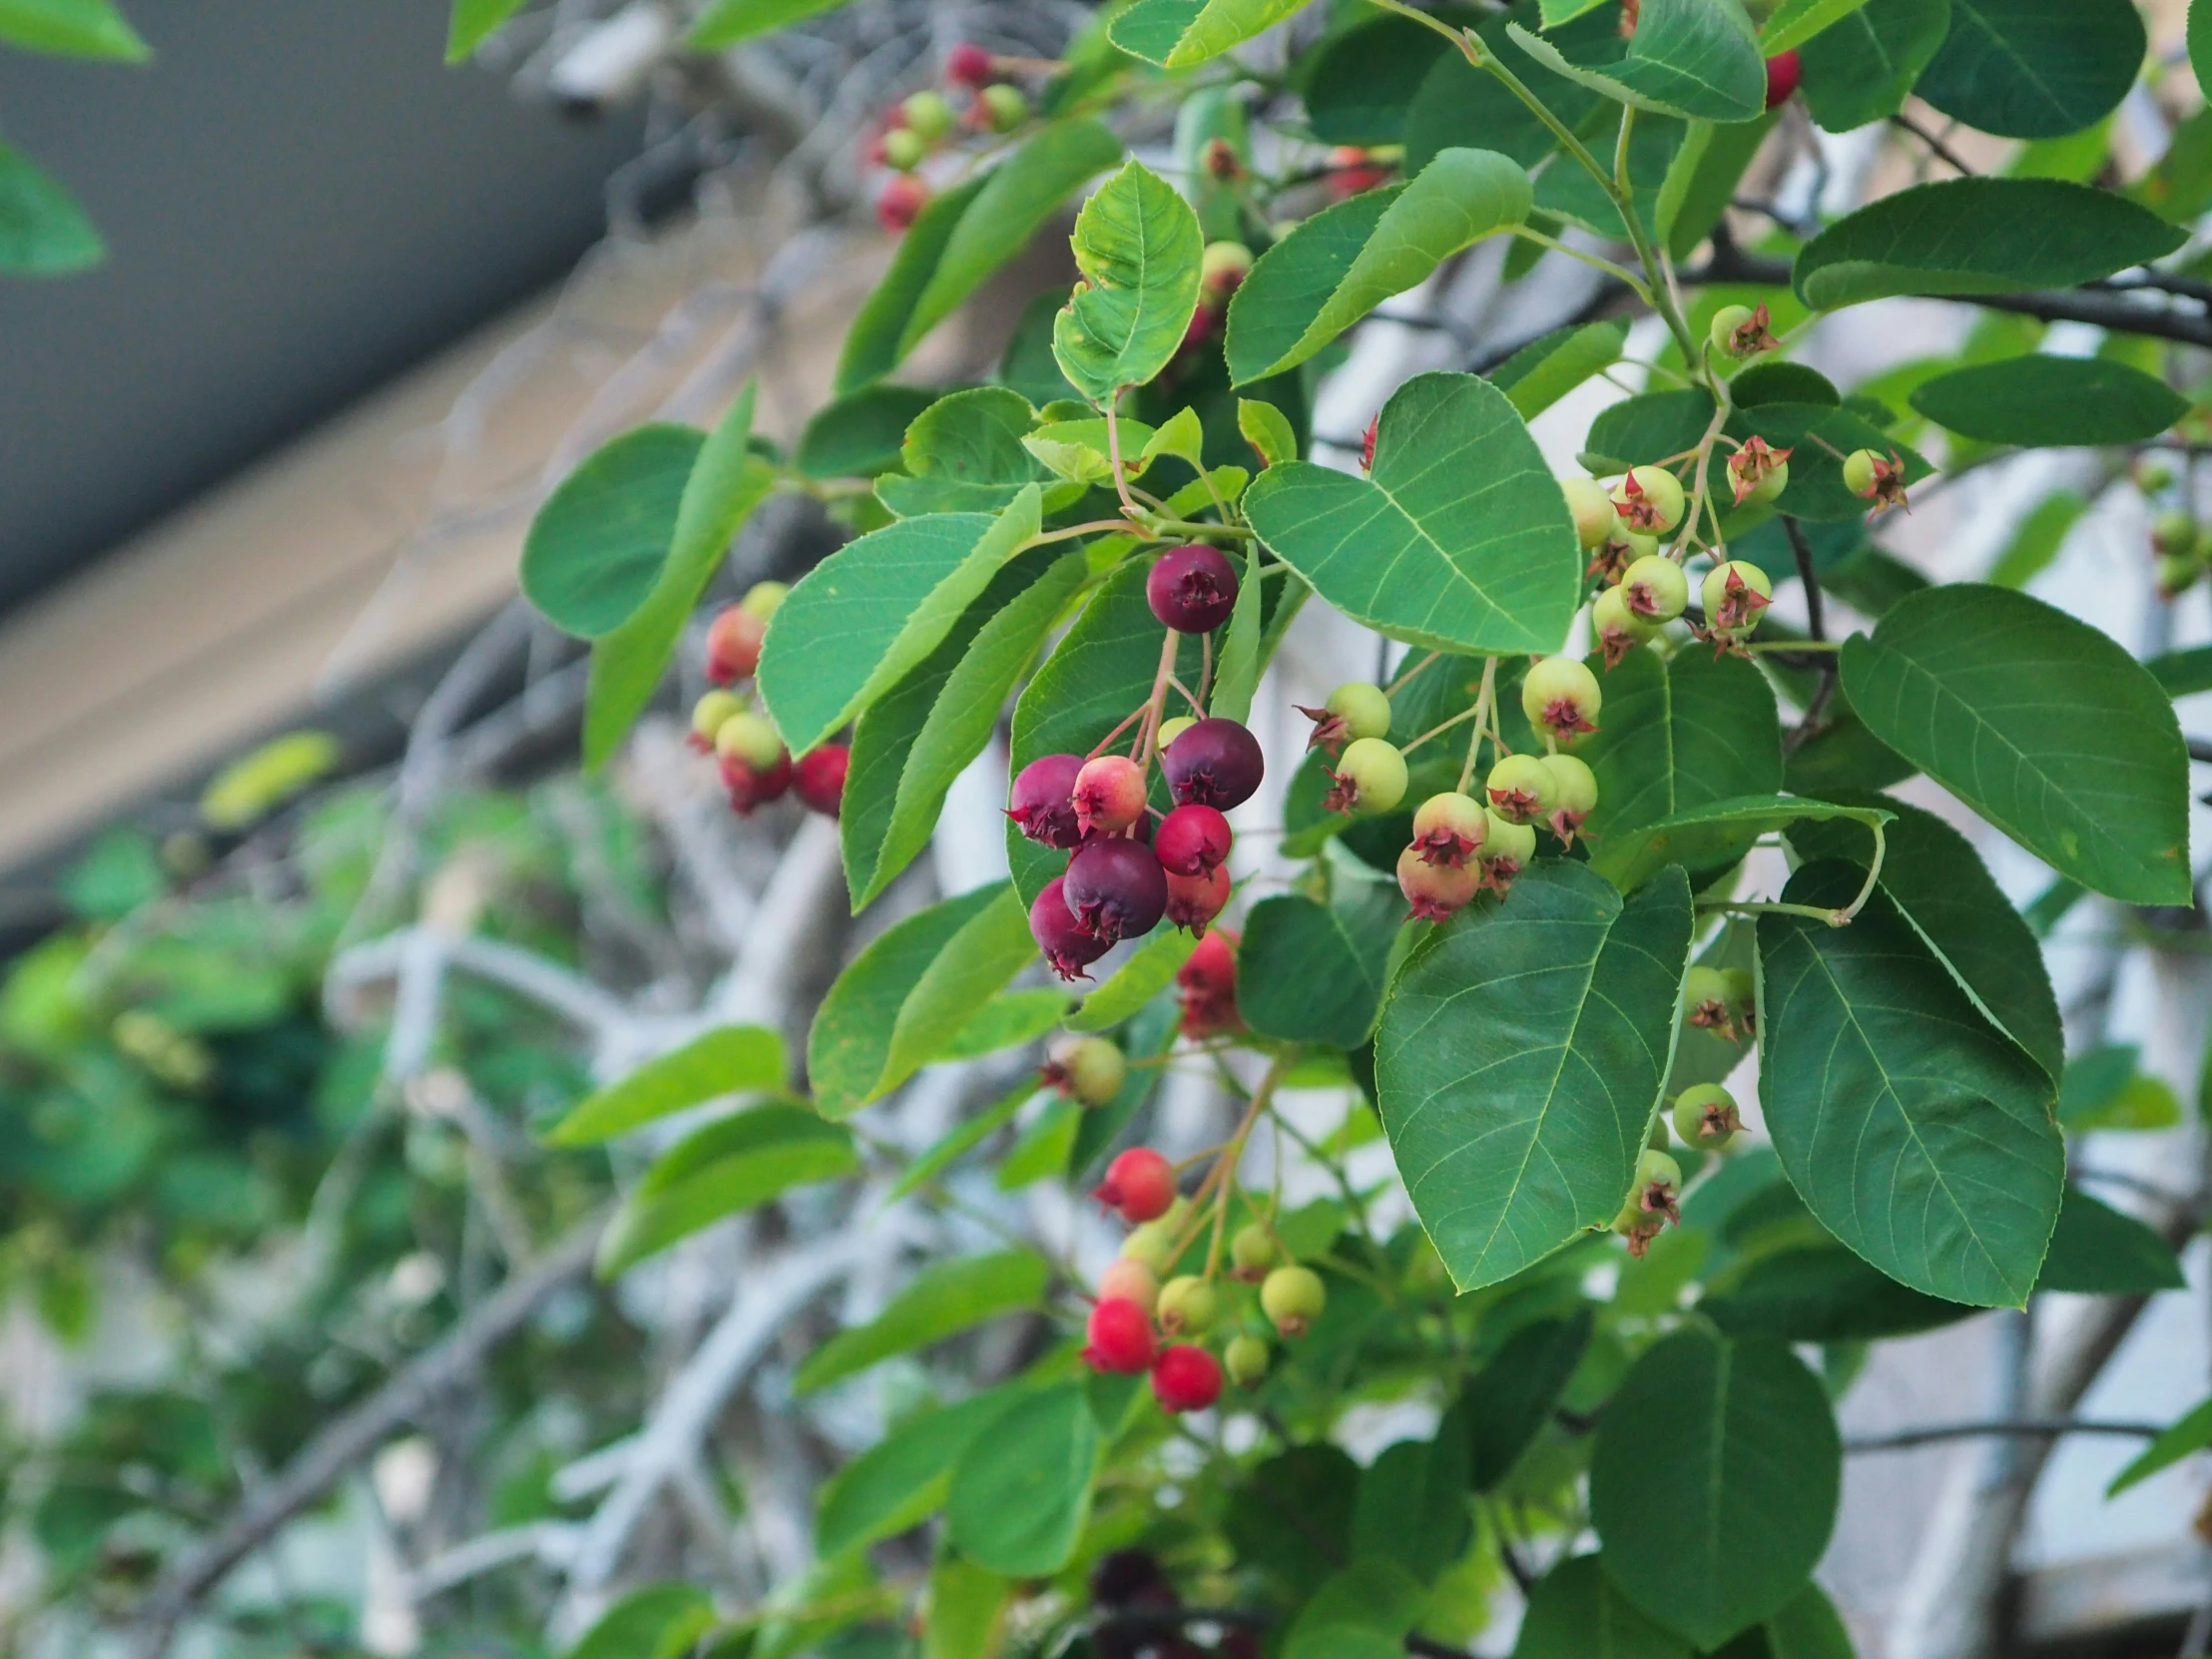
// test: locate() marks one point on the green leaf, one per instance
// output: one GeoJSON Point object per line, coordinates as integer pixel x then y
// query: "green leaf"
{"type": "Point", "coordinates": [1796, 21]}
{"type": "Point", "coordinates": [2034, 68]}
{"type": "Point", "coordinates": [913, 740]}
{"type": "Point", "coordinates": [724, 486]}
{"type": "Point", "coordinates": [2192, 1433]}
{"type": "Point", "coordinates": [2200, 40]}
{"type": "Point", "coordinates": [735, 1163]}
{"type": "Point", "coordinates": [2041, 723]}
{"type": "Point", "coordinates": [1176, 34]}
{"type": "Point", "coordinates": [1566, 191]}
{"type": "Point", "coordinates": [1268, 430]}
{"type": "Point", "coordinates": [1412, 1505]}
{"type": "Point", "coordinates": [660, 1621]}
{"type": "Point", "coordinates": [598, 546]}
{"type": "Point", "coordinates": [992, 946]}
{"type": "Point", "coordinates": [1363, 81]}
{"type": "Point", "coordinates": [1822, 1293]}
{"type": "Point", "coordinates": [962, 1139]}
{"type": "Point", "coordinates": [730, 1060]}
{"type": "Point", "coordinates": [1546, 369]}
{"type": "Point", "coordinates": [1863, 68]}
{"type": "Point", "coordinates": [968, 1607]}
{"type": "Point", "coordinates": [74, 29]}
{"type": "Point", "coordinates": [1362, 1612]}
{"type": "Point", "coordinates": [966, 234]}
{"type": "Point", "coordinates": [1508, 1403]}
{"type": "Point", "coordinates": [473, 23]}
{"type": "Point", "coordinates": [1308, 972]}
{"type": "Point", "coordinates": [2097, 1250]}
{"type": "Point", "coordinates": [871, 612]}
{"type": "Point", "coordinates": [851, 1035]}
{"type": "Point", "coordinates": [1021, 1493]}
{"type": "Point", "coordinates": [2101, 1089]}
{"type": "Point", "coordinates": [1459, 541]}
{"type": "Point", "coordinates": [2035, 543]}
{"type": "Point", "coordinates": [1697, 58]}
{"type": "Point", "coordinates": [43, 233]}
{"type": "Point", "coordinates": [1711, 836]}
{"type": "Point", "coordinates": [2183, 673]}
{"type": "Point", "coordinates": [860, 435]}
{"type": "Point", "coordinates": [1243, 647]}
{"type": "Point", "coordinates": [1007, 1020]}
{"type": "Point", "coordinates": [942, 1301]}
{"type": "Point", "coordinates": [1808, 1627]}
{"type": "Point", "coordinates": [1137, 244]}
{"type": "Point", "coordinates": [1917, 1133]}
{"type": "Point", "coordinates": [1575, 1613]}
{"type": "Point", "coordinates": [1979, 235]}
{"type": "Point", "coordinates": [1740, 1438]}
{"type": "Point", "coordinates": [1676, 733]}
{"type": "Point", "coordinates": [1346, 260]}
{"type": "Point", "coordinates": [1519, 1062]}
{"type": "Point", "coordinates": [1043, 1148]}
{"type": "Point", "coordinates": [727, 22]}
{"type": "Point", "coordinates": [1940, 886]}
{"type": "Point", "coordinates": [1147, 972]}
{"type": "Point", "coordinates": [1704, 178]}
{"type": "Point", "coordinates": [1460, 104]}
{"type": "Point", "coordinates": [2046, 401]}
{"type": "Point", "coordinates": [964, 454]}
{"type": "Point", "coordinates": [901, 1479]}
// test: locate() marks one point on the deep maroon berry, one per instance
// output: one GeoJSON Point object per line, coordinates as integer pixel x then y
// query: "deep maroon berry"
{"type": "Point", "coordinates": [1116, 889]}
{"type": "Point", "coordinates": [752, 789]}
{"type": "Point", "coordinates": [1192, 840]}
{"type": "Point", "coordinates": [1191, 589]}
{"type": "Point", "coordinates": [1194, 900]}
{"type": "Point", "coordinates": [1043, 800]}
{"type": "Point", "coordinates": [1053, 926]}
{"type": "Point", "coordinates": [1128, 1576]}
{"type": "Point", "coordinates": [819, 775]}
{"type": "Point", "coordinates": [1217, 763]}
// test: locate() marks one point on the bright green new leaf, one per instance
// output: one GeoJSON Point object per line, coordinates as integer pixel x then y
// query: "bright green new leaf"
{"type": "Point", "coordinates": [942, 1301]}
{"type": "Point", "coordinates": [1268, 430]}
{"type": "Point", "coordinates": [901, 1479]}
{"type": "Point", "coordinates": [1710, 836]}
{"type": "Point", "coordinates": [1243, 645]}
{"type": "Point", "coordinates": [1545, 371]}
{"type": "Point", "coordinates": [2191, 1433]}
{"type": "Point", "coordinates": [1676, 733]}
{"type": "Point", "coordinates": [1148, 972]}
{"type": "Point", "coordinates": [598, 546]}
{"type": "Point", "coordinates": [1574, 1612]}
{"type": "Point", "coordinates": [1176, 34]}
{"type": "Point", "coordinates": [2097, 1250]}
{"type": "Point", "coordinates": [991, 948]}
{"type": "Point", "coordinates": [77, 29]}
{"type": "Point", "coordinates": [1181, 435]}
{"type": "Point", "coordinates": [1916, 1131]}
{"type": "Point", "coordinates": [1508, 1403]}
{"type": "Point", "coordinates": [725, 484]}
{"type": "Point", "coordinates": [43, 233]}
{"type": "Point", "coordinates": [1741, 1438]}
{"type": "Point", "coordinates": [2035, 69]}
{"type": "Point", "coordinates": [1863, 68]}
{"type": "Point", "coordinates": [474, 22]}
{"type": "Point", "coordinates": [660, 1621]}
{"type": "Point", "coordinates": [1979, 235]}
{"type": "Point", "coordinates": [968, 1605]}
{"type": "Point", "coordinates": [731, 1060]}
{"type": "Point", "coordinates": [259, 781]}
{"type": "Point", "coordinates": [1697, 58]}
{"type": "Point", "coordinates": [1021, 1493]}
{"type": "Point", "coordinates": [728, 22]}
{"type": "Point", "coordinates": [1521, 1058]}
{"type": "Point", "coordinates": [1343, 262]}
{"type": "Point", "coordinates": [734, 1164]}
{"type": "Point", "coordinates": [871, 612]}
{"type": "Point", "coordinates": [964, 454]}
{"type": "Point", "coordinates": [1795, 22]}
{"type": "Point", "coordinates": [1458, 541]}
{"type": "Point", "coordinates": [1137, 244]}
{"type": "Point", "coordinates": [2041, 400]}
{"type": "Point", "coordinates": [2041, 723]}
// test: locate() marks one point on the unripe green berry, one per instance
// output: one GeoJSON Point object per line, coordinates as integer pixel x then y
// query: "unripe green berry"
{"type": "Point", "coordinates": [1188, 1306]}
{"type": "Point", "coordinates": [903, 148]}
{"type": "Point", "coordinates": [2176, 573]}
{"type": "Point", "coordinates": [1704, 985]}
{"type": "Point", "coordinates": [1706, 1117]}
{"type": "Point", "coordinates": [749, 738]}
{"type": "Point", "coordinates": [1632, 1220]}
{"type": "Point", "coordinates": [1509, 845]}
{"type": "Point", "coordinates": [1153, 1244]}
{"type": "Point", "coordinates": [1292, 1298]}
{"type": "Point", "coordinates": [1520, 788]}
{"type": "Point", "coordinates": [1595, 519]}
{"type": "Point", "coordinates": [1222, 267]}
{"type": "Point", "coordinates": [2154, 478]}
{"type": "Point", "coordinates": [1450, 829]}
{"type": "Point", "coordinates": [762, 598]}
{"type": "Point", "coordinates": [1650, 499]}
{"type": "Point", "coordinates": [1004, 107]}
{"type": "Point", "coordinates": [1860, 467]}
{"type": "Point", "coordinates": [1658, 1140]}
{"type": "Point", "coordinates": [1656, 1169]}
{"type": "Point", "coordinates": [2173, 533]}
{"type": "Point", "coordinates": [1726, 321]}
{"type": "Point", "coordinates": [1363, 709]}
{"type": "Point", "coordinates": [1776, 480]}
{"type": "Point", "coordinates": [1619, 630]}
{"type": "Point", "coordinates": [1562, 698]}
{"type": "Point", "coordinates": [1245, 1360]}
{"type": "Point", "coordinates": [1169, 729]}
{"type": "Point", "coordinates": [1091, 1069]}
{"type": "Point", "coordinates": [1253, 1252]}
{"type": "Point", "coordinates": [1734, 595]}
{"type": "Point", "coordinates": [711, 712]}
{"type": "Point", "coordinates": [1372, 773]}
{"type": "Point", "coordinates": [1574, 785]}
{"type": "Point", "coordinates": [928, 115]}
{"type": "Point", "coordinates": [1656, 588]}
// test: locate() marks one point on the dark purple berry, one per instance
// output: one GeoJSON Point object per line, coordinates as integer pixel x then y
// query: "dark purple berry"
{"type": "Point", "coordinates": [1192, 840]}
{"type": "Point", "coordinates": [1217, 763]}
{"type": "Point", "coordinates": [1116, 889]}
{"type": "Point", "coordinates": [1053, 926]}
{"type": "Point", "coordinates": [1192, 588]}
{"type": "Point", "coordinates": [1043, 803]}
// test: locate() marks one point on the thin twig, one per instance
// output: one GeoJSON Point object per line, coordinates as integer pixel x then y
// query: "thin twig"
{"type": "Point", "coordinates": [2024, 1428]}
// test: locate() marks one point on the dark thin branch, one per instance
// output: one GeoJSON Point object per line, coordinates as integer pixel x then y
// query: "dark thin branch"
{"type": "Point", "coordinates": [1814, 720]}
{"type": "Point", "coordinates": [2132, 1184]}
{"type": "Point", "coordinates": [1147, 1621]}
{"type": "Point", "coordinates": [2164, 281]}
{"type": "Point", "coordinates": [2103, 307]}
{"type": "Point", "coordinates": [2199, 750]}
{"type": "Point", "coordinates": [2023, 1428]}
{"type": "Point", "coordinates": [1933, 142]}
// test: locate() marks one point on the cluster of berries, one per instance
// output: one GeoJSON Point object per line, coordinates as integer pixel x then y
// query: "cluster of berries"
{"type": "Point", "coordinates": [2179, 545]}
{"type": "Point", "coordinates": [1141, 1299]}
{"type": "Point", "coordinates": [929, 119]}
{"type": "Point", "coordinates": [1706, 1118]}
{"type": "Point", "coordinates": [1621, 528]}
{"type": "Point", "coordinates": [1722, 1001]}
{"type": "Point", "coordinates": [1124, 873]}
{"type": "Point", "coordinates": [756, 766]}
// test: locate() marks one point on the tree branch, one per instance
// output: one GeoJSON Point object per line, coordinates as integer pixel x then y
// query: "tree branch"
{"type": "Point", "coordinates": [1815, 719]}
{"type": "Point", "coordinates": [1148, 1621]}
{"type": "Point", "coordinates": [2023, 1427]}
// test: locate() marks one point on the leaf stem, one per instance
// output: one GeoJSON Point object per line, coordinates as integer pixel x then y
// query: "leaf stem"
{"type": "Point", "coordinates": [1113, 455]}
{"type": "Point", "coordinates": [1619, 272]}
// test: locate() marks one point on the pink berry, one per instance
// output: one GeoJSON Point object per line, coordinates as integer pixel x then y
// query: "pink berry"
{"type": "Point", "coordinates": [901, 203]}
{"type": "Point", "coordinates": [1108, 795]}
{"type": "Point", "coordinates": [1192, 589]}
{"type": "Point", "coordinates": [1043, 804]}
{"type": "Point", "coordinates": [1062, 939]}
{"type": "Point", "coordinates": [1192, 840]}
{"type": "Point", "coordinates": [819, 775]}
{"type": "Point", "coordinates": [1118, 1337]}
{"type": "Point", "coordinates": [1116, 889]}
{"type": "Point", "coordinates": [967, 65]}
{"type": "Point", "coordinates": [734, 645]}
{"type": "Point", "coordinates": [1217, 763]}
{"type": "Point", "coordinates": [1140, 1184]}
{"type": "Point", "coordinates": [1194, 900]}
{"type": "Point", "coordinates": [1185, 1378]}
{"type": "Point", "coordinates": [1208, 981]}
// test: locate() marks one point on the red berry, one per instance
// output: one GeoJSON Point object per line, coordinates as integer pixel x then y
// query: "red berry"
{"type": "Point", "coordinates": [967, 65]}
{"type": "Point", "coordinates": [1116, 889]}
{"type": "Point", "coordinates": [1208, 981]}
{"type": "Point", "coordinates": [1108, 795]}
{"type": "Point", "coordinates": [1140, 1184]}
{"type": "Point", "coordinates": [1043, 804]}
{"type": "Point", "coordinates": [819, 775]}
{"type": "Point", "coordinates": [1119, 1338]}
{"type": "Point", "coordinates": [734, 645]}
{"type": "Point", "coordinates": [1784, 71]}
{"type": "Point", "coordinates": [1185, 1378]}
{"type": "Point", "coordinates": [1192, 589]}
{"type": "Point", "coordinates": [1192, 840]}
{"type": "Point", "coordinates": [1195, 334]}
{"type": "Point", "coordinates": [901, 203]}
{"type": "Point", "coordinates": [1436, 890]}
{"type": "Point", "coordinates": [1053, 926]}
{"type": "Point", "coordinates": [1194, 900]}
{"type": "Point", "coordinates": [752, 789]}
{"type": "Point", "coordinates": [1217, 763]}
